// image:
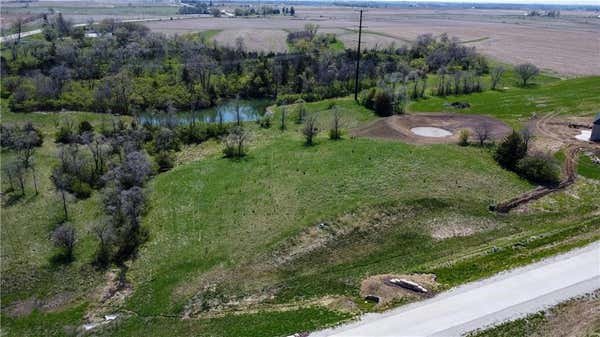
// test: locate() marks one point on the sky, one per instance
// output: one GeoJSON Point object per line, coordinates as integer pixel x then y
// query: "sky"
{"type": "Point", "coordinates": [550, 2]}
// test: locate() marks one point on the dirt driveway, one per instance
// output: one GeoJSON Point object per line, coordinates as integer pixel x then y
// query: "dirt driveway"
{"type": "Point", "coordinates": [399, 127]}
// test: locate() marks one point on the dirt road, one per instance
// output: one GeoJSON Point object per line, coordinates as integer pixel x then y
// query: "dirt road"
{"type": "Point", "coordinates": [506, 296]}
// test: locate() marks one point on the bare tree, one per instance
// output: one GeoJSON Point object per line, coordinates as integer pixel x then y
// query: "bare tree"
{"type": "Point", "coordinates": [526, 135]}
{"type": "Point", "coordinates": [61, 183]}
{"type": "Point", "coordinates": [301, 110]}
{"type": "Point", "coordinates": [18, 27]}
{"type": "Point", "coordinates": [132, 205]}
{"type": "Point", "coordinates": [105, 234]}
{"type": "Point", "coordinates": [240, 46]}
{"type": "Point", "coordinates": [335, 132]}
{"type": "Point", "coordinates": [25, 144]}
{"type": "Point", "coordinates": [482, 132]}
{"type": "Point", "coordinates": [238, 111]}
{"type": "Point", "coordinates": [133, 171]}
{"type": "Point", "coordinates": [282, 125]}
{"type": "Point", "coordinates": [15, 170]}
{"type": "Point", "coordinates": [235, 142]}
{"type": "Point", "coordinates": [526, 71]}
{"type": "Point", "coordinates": [99, 150]}
{"type": "Point", "coordinates": [496, 76]}
{"type": "Point", "coordinates": [64, 237]}
{"type": "Point", "coordinates": [310, 129]}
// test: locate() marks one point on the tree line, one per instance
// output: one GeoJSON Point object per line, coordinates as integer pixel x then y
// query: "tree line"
{"type": "Point", "coordinates": [128, 69]}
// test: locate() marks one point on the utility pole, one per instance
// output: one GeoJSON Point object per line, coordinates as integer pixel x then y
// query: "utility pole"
{"type": "Point", "coordinates": [358, 57]}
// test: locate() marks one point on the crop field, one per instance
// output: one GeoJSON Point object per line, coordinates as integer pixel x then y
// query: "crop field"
{"type": "Point", "coordinates": [507, 36]}
{"type": "Point", "coordinates": [254, 40]}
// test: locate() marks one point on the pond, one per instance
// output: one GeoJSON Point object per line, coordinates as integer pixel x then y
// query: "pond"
{"type": "Point", "coordinates": [249, 110]}
{"type": "Point", "coordinates": [427, 131]}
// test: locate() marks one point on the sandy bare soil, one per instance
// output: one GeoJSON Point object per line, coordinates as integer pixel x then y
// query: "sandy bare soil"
{"type": "Point", "coordinates": [569, 45]}
{"type": "Point", "coordinates": [398, 127]}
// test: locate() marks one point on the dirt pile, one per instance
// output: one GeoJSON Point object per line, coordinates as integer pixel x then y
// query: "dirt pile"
{"type": "Point", "coordinates": [381, 287]}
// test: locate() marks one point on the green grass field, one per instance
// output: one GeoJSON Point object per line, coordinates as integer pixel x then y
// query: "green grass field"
{"type": "Point", "coordinates": [514, 105]}
{"type": "Point", "coordinates": [388, 207]}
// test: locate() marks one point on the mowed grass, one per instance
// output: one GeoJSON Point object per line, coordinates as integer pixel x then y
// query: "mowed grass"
{"type": "Point", "coordinates": [575, 97]}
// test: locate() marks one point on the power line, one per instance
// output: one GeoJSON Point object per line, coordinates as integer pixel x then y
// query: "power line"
{"type": "Point", "coordinates": [358, 56]}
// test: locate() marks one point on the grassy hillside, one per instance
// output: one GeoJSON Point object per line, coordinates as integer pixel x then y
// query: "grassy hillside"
{"type": "Point", "coordinates": [574, 97]}
{"type": "Point", "coordinates": [252, 227]}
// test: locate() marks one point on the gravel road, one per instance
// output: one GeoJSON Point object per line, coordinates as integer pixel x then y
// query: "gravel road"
{"type": "Point", "coordinates": [506, 296]}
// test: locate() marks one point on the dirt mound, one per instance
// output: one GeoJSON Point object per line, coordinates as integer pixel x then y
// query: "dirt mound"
{"type": "Point", "coordinates": [380, 286]}
{"type": "Point", "coordinates": [399, 127]}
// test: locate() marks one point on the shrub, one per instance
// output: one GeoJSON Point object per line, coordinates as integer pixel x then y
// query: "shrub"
{"type": "Point", "coordinates": [463, 137]}
{"type": "Point", "coordinates": [64, 135]}
{"type": "Point", "coordinates": [382, 103]}
{"type": "Point", "coordinates": [543, 170]}
{"type": "Point", "coordinates": [84, 127]}
{"type": "Point", "coordinates": [266, 121]}
{"type": "Point", "coordinates": [365, 98]}
{"type": "Point", "coordinates": [80, 189]}
{"type": "Point", "coordinates": [164, 161]}
{"type": "Point", "coordinates": [510, 151]}
{"type": "Point", "coordinates": [192, 134]}
{"type": "Point", "coordinates": [235, 142]}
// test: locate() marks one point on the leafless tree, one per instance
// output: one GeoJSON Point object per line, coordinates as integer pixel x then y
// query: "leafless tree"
{"type": "Point", "coordinates": [235, 142]}
{"type": "Point", "coordinates": [65, 237]}
{"type": "Point", "coordinates": [238, 111]}
{"type": "Point", "coordinates": [99, 150]}
{"type": "Point", "coordinates": [15, 170]}
{"type": "Point", "coordinates": [132, 205]}
{"type": "Point", "coordinates": [240, 46]}
{"type": "Point", "coordinates": [526, 71]}
{"type": "Point", "coordinates": [282, 125]}
{"type": "Point", "coordinates": [527, 136]}
{"type": "Point", "coordinates": [310, 129]}
{"type": "Point", "coordinates": [61, 183]}
{"type": "Point", "coordinates": [18, 27]}
{"type": "Point", "coordinates": [133, 171]}
{"type": "Point", "coordinates": [496, 76]}
{"type": "Point", "coordinates": [301, 112]}
{"type": "Point", "coordinates": [482, 132]}
{"type": "Point", "coordinates": [337, 122]}
{"type": "Point", "coordinates": [105, 234]}
{"type": "Point", "coordinates": [25, 144]}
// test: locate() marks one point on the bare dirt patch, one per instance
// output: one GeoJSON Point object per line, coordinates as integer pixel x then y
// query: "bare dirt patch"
{"type": "Point", "coordinates": [399, 127]}
{"type": "Point", "coordinates": [52, 304]}
{"type": "Point", "coordinates": [380, 286]}
{"type": "Point", "coordinates": [577, 318]}
{"type": "Point", "coordinates": [552, 131]}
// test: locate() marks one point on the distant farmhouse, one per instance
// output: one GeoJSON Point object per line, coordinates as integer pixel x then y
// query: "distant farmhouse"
{"type": "Point", "coordinates": [595, 137]}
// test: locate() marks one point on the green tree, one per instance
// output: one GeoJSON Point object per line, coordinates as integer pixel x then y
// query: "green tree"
{"type": "Point", "coordinates": [511, 150]}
